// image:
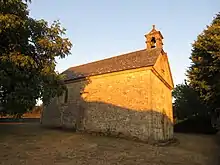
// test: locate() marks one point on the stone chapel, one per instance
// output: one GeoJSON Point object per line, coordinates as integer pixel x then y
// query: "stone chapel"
{"type": "Point", "coordinates": [127, 95]}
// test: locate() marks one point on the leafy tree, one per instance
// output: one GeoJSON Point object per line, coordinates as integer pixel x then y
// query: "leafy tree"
{"type": "Point", "coordinates": [187, 103]}
{"type": "Point", "coordinates": [28, 52]}
{"type": "Point", "coordinates": [204, 72]}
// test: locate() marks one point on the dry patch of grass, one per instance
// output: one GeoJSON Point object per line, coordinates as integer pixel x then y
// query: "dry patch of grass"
{"type": "Point", "coordinates": [30, 144]}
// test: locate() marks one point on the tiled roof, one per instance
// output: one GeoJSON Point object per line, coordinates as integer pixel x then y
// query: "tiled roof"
{"type": "Point", "coordinates": [133, 60]}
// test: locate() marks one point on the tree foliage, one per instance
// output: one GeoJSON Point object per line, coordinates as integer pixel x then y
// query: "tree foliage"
{"type": "Point", "coordinates": [187, 103]}
{"type": "Point", "coordinates": [204, 72]}
{"type": "Point", "coordinates": [28, 48]}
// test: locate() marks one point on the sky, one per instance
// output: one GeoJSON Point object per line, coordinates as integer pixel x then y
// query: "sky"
{"type": "Point", "coordinates": [100, 29]}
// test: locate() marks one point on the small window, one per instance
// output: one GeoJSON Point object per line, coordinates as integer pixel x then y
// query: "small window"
{"type": "Point", "coordinates": [66, 96]}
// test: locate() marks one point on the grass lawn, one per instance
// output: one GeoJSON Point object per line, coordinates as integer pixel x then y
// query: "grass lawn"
{"type": "Point", "coordinates": [32, 145]}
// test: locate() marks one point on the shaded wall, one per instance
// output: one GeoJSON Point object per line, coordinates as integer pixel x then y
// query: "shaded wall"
{"type": "Point", "coordinates": [116, 103]}
{"type": "Point", "coordinates": [51, 114]}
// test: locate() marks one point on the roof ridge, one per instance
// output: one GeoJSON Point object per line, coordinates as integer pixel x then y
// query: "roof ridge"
{"type": "Point", "coordinates": [124, 61]}
{"type": "Point", "coordinates": [124, 54]}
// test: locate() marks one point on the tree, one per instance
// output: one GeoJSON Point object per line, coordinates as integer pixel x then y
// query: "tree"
{"type": "Point", "coordinates": [187, 103]}
{"type": "Point", "coordinates": [28, 52]}
{"type": "Point", "coordinates": [204, 72]}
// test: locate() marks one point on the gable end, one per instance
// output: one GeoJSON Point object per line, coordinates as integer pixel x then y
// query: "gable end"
{"type": "Point", "coordinates": [162, 68]}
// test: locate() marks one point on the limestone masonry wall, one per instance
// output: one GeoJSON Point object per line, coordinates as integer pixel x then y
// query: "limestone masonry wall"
{"type": "Point", "coordinates": [132, 103]}
{"type": "Point", "coordinates": [162, 102]}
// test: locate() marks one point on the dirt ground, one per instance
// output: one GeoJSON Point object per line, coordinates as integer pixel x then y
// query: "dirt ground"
{"type": "Point", "coordinates": [32, 145]}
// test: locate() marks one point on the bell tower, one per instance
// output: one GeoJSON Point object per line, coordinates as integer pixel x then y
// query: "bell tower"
{"type": "Point", "coordinates": [154, 39]}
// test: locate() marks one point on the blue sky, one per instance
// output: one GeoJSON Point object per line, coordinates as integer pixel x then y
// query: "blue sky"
{"type": "Point", "coordinates": [100, 29]}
